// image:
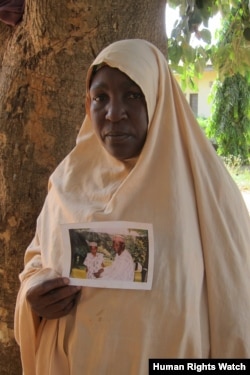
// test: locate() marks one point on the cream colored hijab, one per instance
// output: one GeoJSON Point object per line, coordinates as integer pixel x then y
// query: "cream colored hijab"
{"type": "Point", "coordinates": [199, 305]}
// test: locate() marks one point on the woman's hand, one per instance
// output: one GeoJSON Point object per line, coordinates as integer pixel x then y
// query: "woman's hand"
{"type": "Point", "coordinates": [98, 273]}
{"type": "Point", "coordinates": [54, 298]}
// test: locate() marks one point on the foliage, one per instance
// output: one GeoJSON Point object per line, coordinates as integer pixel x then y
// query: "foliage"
{"type": "Point", "coordinates": [186, 60]}
{"type": "Point", "coordinates": [229, 123]}
{"type": "Point", "coordinates": [138, 248]}
{"type": "Point", "coordinates": [231, 54]}
{"type": "Point", "coordinates": [203, 122]}
{"type": "Point", "coordinates": [190, 61]}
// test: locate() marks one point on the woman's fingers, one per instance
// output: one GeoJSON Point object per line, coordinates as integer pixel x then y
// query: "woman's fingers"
{"type": "Point", "coordinates": [53, 298]}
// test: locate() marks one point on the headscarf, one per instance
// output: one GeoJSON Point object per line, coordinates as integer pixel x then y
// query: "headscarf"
{"type": "Point", "coordinates": [200, 299]}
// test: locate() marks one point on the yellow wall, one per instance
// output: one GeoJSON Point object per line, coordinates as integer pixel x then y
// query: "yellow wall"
{"type": "Point", "coordinates": [204, 88]}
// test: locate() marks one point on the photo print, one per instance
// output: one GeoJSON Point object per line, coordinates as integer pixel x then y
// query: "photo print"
{"type": "Point", "coordinates": [109, 254]}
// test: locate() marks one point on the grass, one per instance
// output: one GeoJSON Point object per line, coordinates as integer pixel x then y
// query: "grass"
{"type": "Point", "coordinates": [242, 178]}
{"type": "Point", "coordinates": [240, 174]}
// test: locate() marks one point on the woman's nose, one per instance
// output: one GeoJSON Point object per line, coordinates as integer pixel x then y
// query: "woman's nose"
{"type": "Point", "coordinates": [115, 110]}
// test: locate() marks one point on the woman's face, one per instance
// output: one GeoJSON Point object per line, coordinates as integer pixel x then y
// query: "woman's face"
{"type": "Point", "coordinates": [118, 113]}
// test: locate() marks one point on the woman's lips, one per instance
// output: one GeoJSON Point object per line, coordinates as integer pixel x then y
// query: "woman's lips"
{"type": "Point", "coordinates": [117, 137]}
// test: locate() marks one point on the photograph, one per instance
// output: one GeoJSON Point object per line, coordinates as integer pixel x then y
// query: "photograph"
{"type": "Point", "coordinates": [110, 254]}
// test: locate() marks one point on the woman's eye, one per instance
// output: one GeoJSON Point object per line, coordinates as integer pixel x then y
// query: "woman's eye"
{"type": "Point", "coordinates": [135, 95]}
{"type": "Point", "coordinates": [98, 98]}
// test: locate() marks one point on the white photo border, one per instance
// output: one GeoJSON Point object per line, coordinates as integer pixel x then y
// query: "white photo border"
{"type": "Point", "coordinates": [111, 227]}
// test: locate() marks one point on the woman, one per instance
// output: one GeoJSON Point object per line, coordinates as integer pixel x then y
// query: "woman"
{"type": "Point", "coordinates": [141, 157]}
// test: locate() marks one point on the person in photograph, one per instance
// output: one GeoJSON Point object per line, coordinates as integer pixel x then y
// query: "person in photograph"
{"type": "Point", "coordinates": [93, 261]}
{"type": "Point", "coordinates": [140, 157]}
{"type": "Point", "coordinates": [123, 267]}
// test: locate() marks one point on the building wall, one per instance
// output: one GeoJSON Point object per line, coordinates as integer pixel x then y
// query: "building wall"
{"type": "Point", "coordinates": [204, 89]}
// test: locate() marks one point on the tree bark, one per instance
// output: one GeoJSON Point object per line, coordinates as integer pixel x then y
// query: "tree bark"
{"type": "Point", "coordinates": [43, 62]}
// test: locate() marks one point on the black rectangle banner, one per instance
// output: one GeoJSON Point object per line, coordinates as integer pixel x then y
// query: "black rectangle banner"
{"type": "Point", "coordinates": [223, 366]}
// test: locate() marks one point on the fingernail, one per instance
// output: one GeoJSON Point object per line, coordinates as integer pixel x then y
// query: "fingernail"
{"type": "Point", "coordinates": [66, 280]}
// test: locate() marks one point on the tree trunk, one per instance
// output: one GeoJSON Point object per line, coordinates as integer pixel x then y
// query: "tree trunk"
{"type": "Point", "coordinates": [43, 63]}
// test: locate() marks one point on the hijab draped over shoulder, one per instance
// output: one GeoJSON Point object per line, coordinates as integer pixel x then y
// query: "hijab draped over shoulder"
{"type": "Point", "coordinates": [199, 304]}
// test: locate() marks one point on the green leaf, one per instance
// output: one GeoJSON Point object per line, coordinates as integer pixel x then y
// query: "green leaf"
{"type": "Point", "coordinates": [175, 54]}
{"type": "Point", "coordinates": [205, 35]}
